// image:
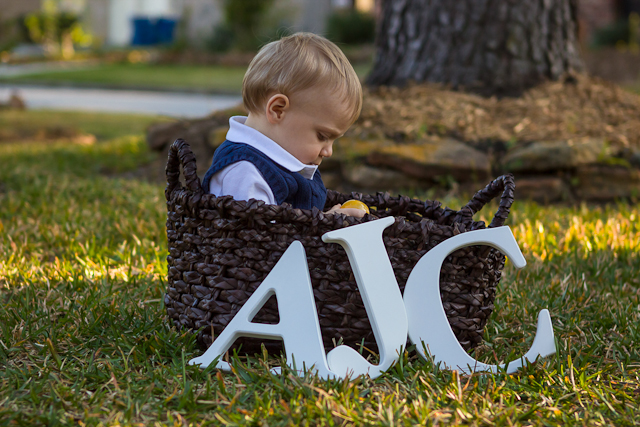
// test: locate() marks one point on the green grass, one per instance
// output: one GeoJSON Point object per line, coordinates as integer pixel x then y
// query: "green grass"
{"type": "Point", "coordinates": [633, 87]}
{"type": "Point", "coordinates": [124, 75]}
{"type": "Point", "coordinates": [84, 337]}
{"type": "Point", "coordinates": [26, 124]}
{"type": "Point", "coordinates": [362, 70]}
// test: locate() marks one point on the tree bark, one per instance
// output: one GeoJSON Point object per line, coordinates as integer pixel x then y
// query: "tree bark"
{"type": "Point", "coordinates": [499, 47]}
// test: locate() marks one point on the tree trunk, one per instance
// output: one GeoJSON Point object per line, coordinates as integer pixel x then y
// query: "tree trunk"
{"type": "Point", "coordinates": [489, 46]}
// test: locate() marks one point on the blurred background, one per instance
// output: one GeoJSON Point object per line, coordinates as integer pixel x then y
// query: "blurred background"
{"type": "Point", "coordinates": [208, 24]}
{"type": "Point", "coordinates": [179, 64]}
{"type": "Point", "coordinates": [33, 30]}
{"type": "Point", "coordinates": [201, 46]}
{"type": "Point", "coordinates": [117, 43]}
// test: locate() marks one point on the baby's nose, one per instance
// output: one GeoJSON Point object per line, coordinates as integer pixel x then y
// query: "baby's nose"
{"type": "Point", "coordinates": [327, 151]}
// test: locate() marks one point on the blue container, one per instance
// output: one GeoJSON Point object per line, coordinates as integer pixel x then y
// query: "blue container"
{"type": "Point", "coordinates": [164, 29]}
{"type": "Point", "coordinates": [143, 32]}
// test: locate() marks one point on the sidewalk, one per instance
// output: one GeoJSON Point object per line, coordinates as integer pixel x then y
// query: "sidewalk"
{"type": "Point", "coordinates": [184, 105]}
{"type": "Point", "coordinates": [13, 70]}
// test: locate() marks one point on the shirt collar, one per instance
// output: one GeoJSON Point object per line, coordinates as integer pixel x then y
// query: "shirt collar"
{"type": "Point", "coordinates": [239, 132]}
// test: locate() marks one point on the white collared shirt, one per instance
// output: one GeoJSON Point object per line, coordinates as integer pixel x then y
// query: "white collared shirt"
{"type": "Point", "coordinates": [242, 179]}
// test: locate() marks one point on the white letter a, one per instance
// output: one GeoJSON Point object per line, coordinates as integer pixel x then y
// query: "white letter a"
{"type": "Point", "coordinates": [298, 327]}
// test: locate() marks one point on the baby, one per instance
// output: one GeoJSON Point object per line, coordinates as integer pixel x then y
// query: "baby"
{"type": "Point", "coordinates": [302, 94]}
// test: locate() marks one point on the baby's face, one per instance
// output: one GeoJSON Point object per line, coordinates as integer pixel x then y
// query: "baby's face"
{"type": "Point", "coordinates": [315, 119]}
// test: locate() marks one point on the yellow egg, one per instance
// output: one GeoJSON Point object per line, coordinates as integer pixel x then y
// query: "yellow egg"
{"type": "Point", "coordinates": [355, 204]}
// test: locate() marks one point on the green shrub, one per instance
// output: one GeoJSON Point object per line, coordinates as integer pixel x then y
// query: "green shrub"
{"type": "Point", "coordinates": [611, 34]}
{"type": "Point", "coordinates": [57, 31]}
{"type": "Point", "coordinates": [244, 18]}
{"type": "Point", "coordinates": [351, 27]}
{"type": "Point", "coordinates": [9, 34]}
{"type": "Point", "coordinates": [222, 38]}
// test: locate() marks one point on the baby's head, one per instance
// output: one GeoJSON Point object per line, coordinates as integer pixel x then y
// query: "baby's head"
{"type": "Point", "coordinates": [302, 92]}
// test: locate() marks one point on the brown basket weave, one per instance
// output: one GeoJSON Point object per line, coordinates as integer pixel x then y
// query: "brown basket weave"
{"type": "Point", "coordinates": [221, 249]}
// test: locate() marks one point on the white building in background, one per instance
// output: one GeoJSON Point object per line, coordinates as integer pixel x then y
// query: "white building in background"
{"type": "Point", "coordinates": [111, 21]}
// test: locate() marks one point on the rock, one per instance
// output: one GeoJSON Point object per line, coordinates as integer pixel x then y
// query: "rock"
{"type": "Point", "coordinates": [634, 158]}
{"type": "Point", "coordinates": [16, 102]}
{"type": "Point", "coordinates": [376, 179]}
{"type": "Point", "coordinates": [554, 155]}
{"type": "Point", "coordinates": [217, 136]}
{"type": "Point", "coordinates": [351, 148]}
{"type": "Point", "coordinates": [159, 135]}
{"type": "Point", "coordinates": [433, 159]}
{"type": "Point", "coordinates": [196, 132]}
{"type": "Point", "coordinates": [330, 164]}
{"type": "Point", "coordinates": [544, 189]}
{"type": "Point", "coordinates": [332, 180]}
{"type": "Point", "coordinates": [607, 182]}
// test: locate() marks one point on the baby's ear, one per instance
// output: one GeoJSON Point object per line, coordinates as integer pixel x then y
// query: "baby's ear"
{"type": "Point", "coordinates": [276, 107]}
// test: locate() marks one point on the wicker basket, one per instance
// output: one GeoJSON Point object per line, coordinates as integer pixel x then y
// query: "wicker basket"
{"type": "Point", "coordinates": [221, 249]}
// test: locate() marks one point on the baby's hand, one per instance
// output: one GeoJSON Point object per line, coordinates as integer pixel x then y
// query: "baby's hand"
{"type": "Point", "coordinates": [358, 213]}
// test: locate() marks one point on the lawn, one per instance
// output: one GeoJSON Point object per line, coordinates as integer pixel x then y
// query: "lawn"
{"type": "Point", "coordinates": [84, 338]}
{"type": "Point", "coordinates": [25, 124]}
{"type": "Point", "coordinates": [215, 79]}
{"type": "Point", "coordinates": [124, 75]}
{"type": "Point", "coordinates": [633, 87]}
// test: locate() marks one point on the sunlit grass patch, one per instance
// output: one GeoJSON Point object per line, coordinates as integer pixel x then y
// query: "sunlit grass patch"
{"type": "Point", "coordinates": [84, 337]}
{"type": "Point", "coordinates": [24, 125]}
{"type": "Point", "coordinates": [581, 230]}
{"type": "Point", "coordinates": [57, 206]}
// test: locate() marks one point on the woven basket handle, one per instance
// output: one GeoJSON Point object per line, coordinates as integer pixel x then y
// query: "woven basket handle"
{"type": "Point", "coordinates": [180, 154]}
{"type": "Point", "coordinates": [505, 184]}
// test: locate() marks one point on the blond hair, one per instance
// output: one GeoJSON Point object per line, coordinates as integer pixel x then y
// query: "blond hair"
{"type": "Point", "coordinates": [298, 62]}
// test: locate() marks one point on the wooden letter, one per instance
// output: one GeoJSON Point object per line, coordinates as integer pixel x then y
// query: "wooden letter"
{"type": "Point", "coordinates": [298, 327]}
{"type": "Point", "coordinates": [380, 294]}
{"type": "Point", "coordinates": [428, 322]}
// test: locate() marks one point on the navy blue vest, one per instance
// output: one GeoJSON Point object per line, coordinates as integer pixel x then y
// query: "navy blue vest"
{"type": "Point", "coordinates": [287, 186]}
